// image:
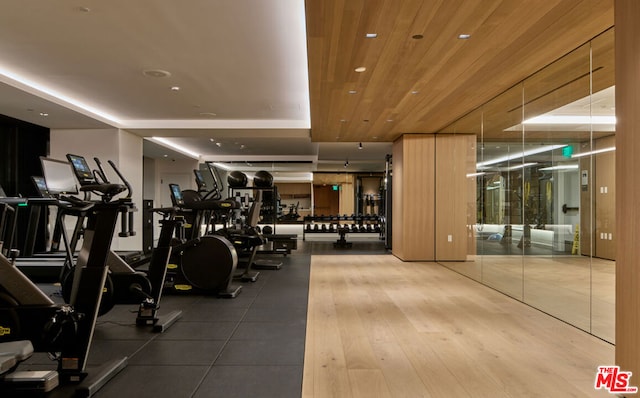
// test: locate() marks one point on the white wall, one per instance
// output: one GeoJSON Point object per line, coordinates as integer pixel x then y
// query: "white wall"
{"type": "Point", "coordinates": [123, 148]}
{"type": "Point", "coordinates": [170, 171]}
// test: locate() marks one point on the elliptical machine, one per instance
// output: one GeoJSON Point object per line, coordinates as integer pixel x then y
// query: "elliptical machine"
{"type": "Point", "coordinates": [125, 285]}
{"type": "Point", "coordinates": [204, 264]}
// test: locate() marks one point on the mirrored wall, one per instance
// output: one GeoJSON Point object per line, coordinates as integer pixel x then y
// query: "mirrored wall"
{"type": "Point", "coordinates": [543, 216]}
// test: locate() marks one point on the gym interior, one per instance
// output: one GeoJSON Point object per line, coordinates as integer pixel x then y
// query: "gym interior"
{"type": "Point", "coordinates": [489, 253]}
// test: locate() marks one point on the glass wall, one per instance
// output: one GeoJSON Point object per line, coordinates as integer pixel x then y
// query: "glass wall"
{"type": "Point", "coordinates": [545, 189]}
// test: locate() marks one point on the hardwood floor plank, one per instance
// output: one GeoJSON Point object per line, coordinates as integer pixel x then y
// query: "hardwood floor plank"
{"type": "Point", "coordinates": [379, 326]}
{"type": "Point", "coordinates": [368, 383]}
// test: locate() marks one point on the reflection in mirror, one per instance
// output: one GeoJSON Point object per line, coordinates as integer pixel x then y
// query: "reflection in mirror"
{"type": "Point", "coordinates": [500, 166]}
{"type": "Point", "coordinates": [603, 266]}
{"type": "Point", "coordinates": [557, 277]}
{"type": "Point", "coordinates": [545, 192]}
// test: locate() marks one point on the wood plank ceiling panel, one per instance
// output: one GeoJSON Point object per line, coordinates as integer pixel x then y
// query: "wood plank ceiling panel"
{"type": "Point", "coordinates": [422, 85]}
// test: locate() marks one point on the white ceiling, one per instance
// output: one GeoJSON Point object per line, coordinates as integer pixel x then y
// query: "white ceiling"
{"type": "Point", "coordinates": [240, 65]}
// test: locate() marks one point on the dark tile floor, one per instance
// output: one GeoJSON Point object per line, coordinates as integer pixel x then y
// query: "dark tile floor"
{"type": "Point", "coordinates": [250, 346]}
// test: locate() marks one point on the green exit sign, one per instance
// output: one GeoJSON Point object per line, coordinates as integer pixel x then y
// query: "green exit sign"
{"type": "Point", "coordinates": [335, 187]}
{"type": "Point", "coordinates": [567, 151]}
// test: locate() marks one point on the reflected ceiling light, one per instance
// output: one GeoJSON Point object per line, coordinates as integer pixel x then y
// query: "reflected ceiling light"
{"type": "Point", "coordinates": [464, 36]}
{"type": "Point", "coordinates": [561, 167]}
{"type": "Point", "coordinates": [371, 35]}
{"type": "Point", "coordinates": [522, 166]}
{"type": "Point", "coordinates": [360, 69]}
{"type": "Point", "coordinates": [512, 156]}
{"type": "Point", "coordinates": [175, 88]}
{"type": "Point", "coordinates": [577, 155]}
{"type": "Point", "coordinates": [476, 174]}
{"type": "Point", "coordinates": [569, 119]}
{"type": "Point", "coordinates": [175, 146]}
{"type": "Point", "coordinates": [352, 91]}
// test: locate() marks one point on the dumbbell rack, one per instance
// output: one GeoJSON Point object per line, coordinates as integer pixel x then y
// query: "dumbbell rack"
{"type": "Point", "coordinates": [365, 225]}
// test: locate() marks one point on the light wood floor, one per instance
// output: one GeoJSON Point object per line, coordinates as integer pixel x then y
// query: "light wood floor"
{"type": "Point", "coordinates": [378, 327]}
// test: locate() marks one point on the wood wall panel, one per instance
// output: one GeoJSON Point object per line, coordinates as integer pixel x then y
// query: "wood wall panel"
{"type": "Point", "coordinates": [414, 197]}
{"type": "Point", "coordinates": [627, 53]}
{"type": "Point", "coordinates": [605, 196]}
{"type": "Point", "coordinates": [451, 216]}
{"type": "Point", "coordinates": [397, 221]}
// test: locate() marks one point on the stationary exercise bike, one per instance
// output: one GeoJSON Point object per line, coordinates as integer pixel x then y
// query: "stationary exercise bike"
{"type": "Point", "coordinates": [65, 331]}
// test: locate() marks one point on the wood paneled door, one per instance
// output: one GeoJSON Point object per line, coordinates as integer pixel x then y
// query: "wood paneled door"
{"type": "Point", "coordinates": [326, 200]}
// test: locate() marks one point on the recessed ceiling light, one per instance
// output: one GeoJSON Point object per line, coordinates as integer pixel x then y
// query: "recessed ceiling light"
{"type": "Point", "coordinates": [371, 35]}
{"type": "Point", "coordinates": [156, 73]}
{"type": "Point", "coordinates": [210, 114]}
{"type": "Point", "coordinates": [464, 36]}
{"type": "Point", "coordinates": [389, 120]}
{"type": "Point", "coordinates": [44, 114]}
{"type": "Point", "coordinates": [165, 156]}
{"type": "Point", "coordinates": [417, 37]}
{"type": "Point", "coordinates": [175, 88]}
{"type": "Point", "coordinates": [352, 91]}
{"type": "Point", "coordinates": [219, 144]}
{"type": "Point", "coordinates": [343, 120]}
{"type": "Point", "coordinates": [83, 9]}
{"type": "Point", "coordinates": [360, 69]}
{"type": "Point", "coordinates": [211, 139]}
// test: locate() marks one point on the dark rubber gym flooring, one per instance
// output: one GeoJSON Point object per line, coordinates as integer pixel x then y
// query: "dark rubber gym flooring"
{"type": "Point", "coordinates": [250, 346]}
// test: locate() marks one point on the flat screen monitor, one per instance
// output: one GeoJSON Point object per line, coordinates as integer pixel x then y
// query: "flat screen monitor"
{"type": "Point", "coordinates": [41, 186]}
{"type": "Point", "coordinates": [176, 195]}
{"type": "Point", "coordinates": [81, 168]}
{"type": "Point", "coordinates": [59, 176]}
{"type": "Point", "coordinates": [202, 185]}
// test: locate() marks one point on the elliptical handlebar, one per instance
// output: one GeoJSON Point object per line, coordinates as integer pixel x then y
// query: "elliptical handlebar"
{"type": "Point", "coordinates": [124, 180]}
{"type": "Point", "coordinates": [100, 172]}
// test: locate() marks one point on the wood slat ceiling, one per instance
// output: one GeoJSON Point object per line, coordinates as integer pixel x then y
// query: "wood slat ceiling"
{"type": "Point", "coordinates": [510, 40]}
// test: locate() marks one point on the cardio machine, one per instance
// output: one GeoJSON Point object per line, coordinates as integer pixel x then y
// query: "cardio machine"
{"type": "Point", "coordinates": [124, 284]}
{"type": "Point", "coordinates": [65, 331]}
{"type": "Point", "coordinates": [204, 264]}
